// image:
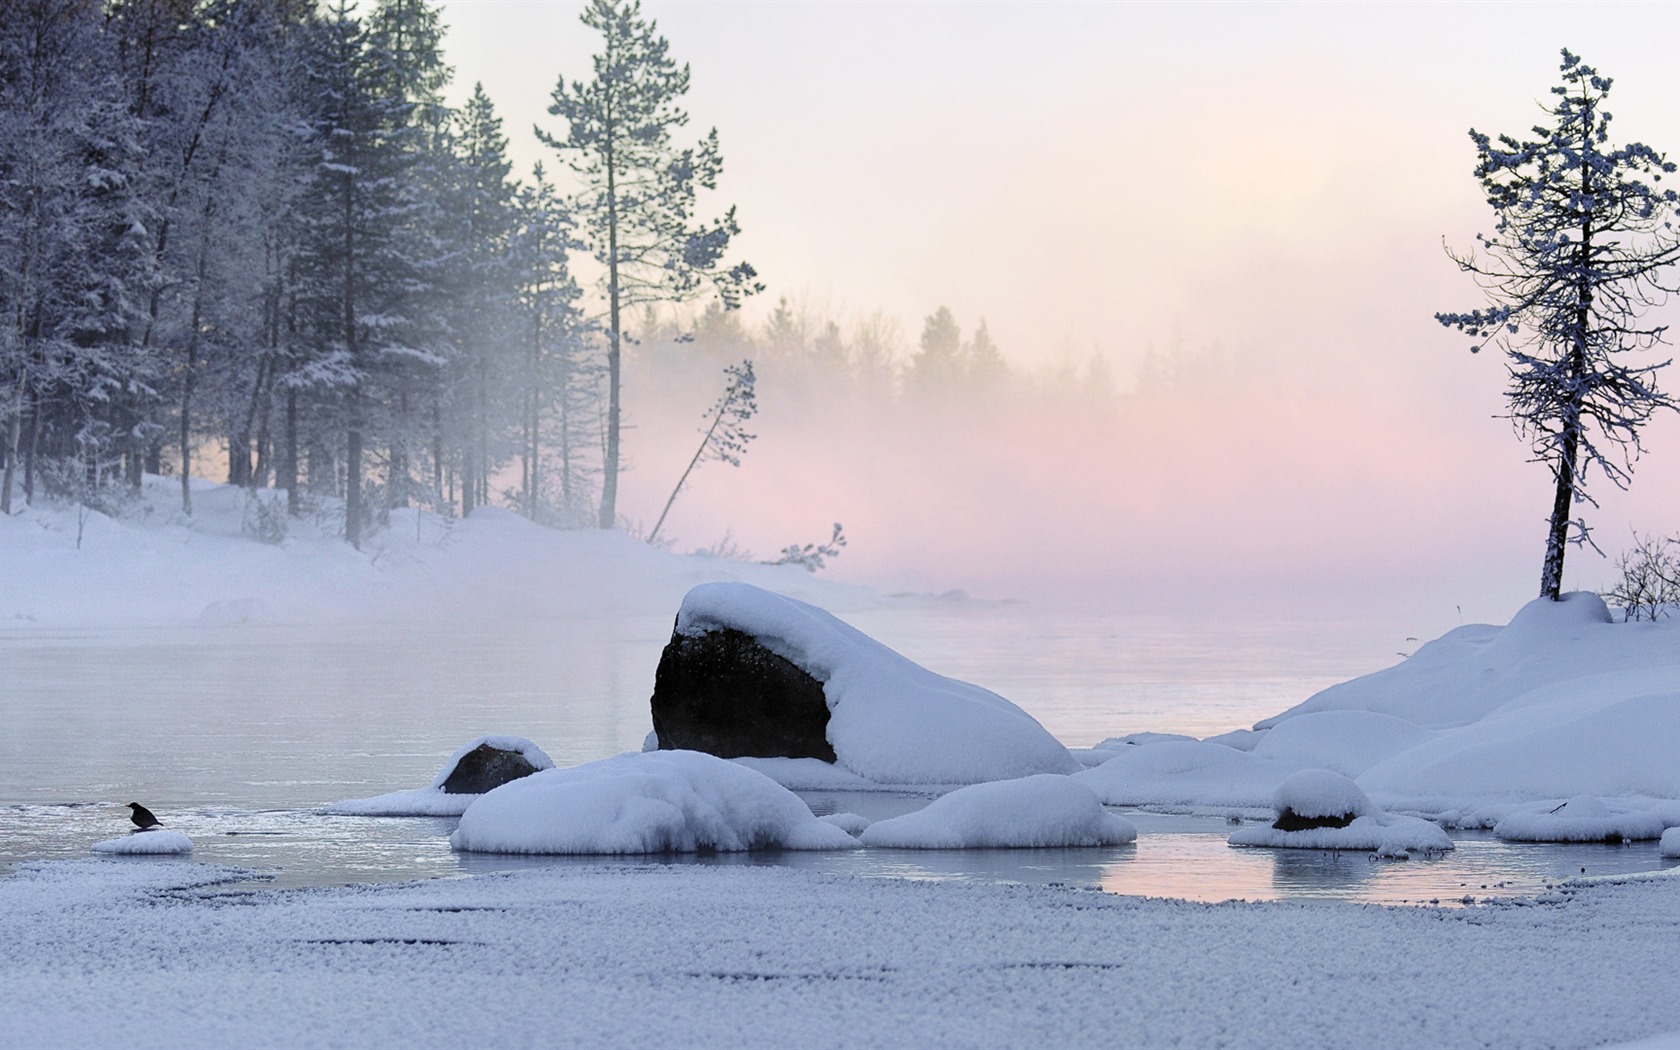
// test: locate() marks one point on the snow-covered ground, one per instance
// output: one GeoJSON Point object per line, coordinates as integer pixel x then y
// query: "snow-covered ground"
{"type": "Point", "coordinates": [107, 953]}
{"type": "Point", "coordinates": [155, 565]}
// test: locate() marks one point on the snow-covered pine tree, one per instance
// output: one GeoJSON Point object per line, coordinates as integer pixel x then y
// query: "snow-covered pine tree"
{"type": "Point", "coordinates": [1582, 241]}
{"type": "Point", "coordinates": [637, 203]}
{"type": "Point", "coordinates": [355, 276]}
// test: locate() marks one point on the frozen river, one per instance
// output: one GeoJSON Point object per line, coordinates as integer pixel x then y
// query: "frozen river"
{"type": "Point", "coordinates": [236, 734]}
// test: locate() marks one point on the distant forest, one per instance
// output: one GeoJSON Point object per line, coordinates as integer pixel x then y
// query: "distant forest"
{"type": "Point", "coordinates": [252, 230]}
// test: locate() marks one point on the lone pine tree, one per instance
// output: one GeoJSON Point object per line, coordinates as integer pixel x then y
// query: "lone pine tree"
{"type": "Point", "coordinates": [1582, 241]}
{"type": "Point", "coordinates": [637, 204]}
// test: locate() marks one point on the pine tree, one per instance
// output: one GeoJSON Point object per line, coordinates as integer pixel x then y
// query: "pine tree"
{"type": "Point", "coordinates": [937, 365]}
{"type": "Point", "coordinates": [1581, 244]}
{"type": "Point", "coordinates": [638, 200]}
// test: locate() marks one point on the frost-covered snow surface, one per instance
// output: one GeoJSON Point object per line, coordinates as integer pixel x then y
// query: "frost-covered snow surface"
{"type": "Point", "coordinates": [493, 564]}
{"type": "Point", "coordinates": [644, 802]}
{"type": "Point", "coordinates": [1482, 726]}
{"type": "Point", "coordinates": [637, 955]}
{"type": "Point", "coordinates": [433, 801]}
{"type": "Point", "coordinates": [1036, 811]}
{"type": "Point", "coordinates": [153, 841]}
{"type": "Point", "coordinates": [891, 721]}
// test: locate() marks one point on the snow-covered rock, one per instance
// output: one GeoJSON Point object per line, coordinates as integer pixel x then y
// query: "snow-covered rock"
{"type": "Point", "coordinates": [487, 761]}
{"type": "Point", "coordinates": [1322, 809]}
{"type": "Point", "coordinates": [890, 720]}
{"type": "Point", "coordinates": [1036, 811]}
{"type": "Point", "coordinates": [644, 802]}
{"type": "Point", "coordinates": [1349, 742]}
{"type": "Point", "coordinates": [1670, 844]}
{"type": "Point", "coordinates": [1583, 818]}
{"type": "Point", "coordinates": [1317, 798]}
{"type": "Point", "coordinates": [152, 842]}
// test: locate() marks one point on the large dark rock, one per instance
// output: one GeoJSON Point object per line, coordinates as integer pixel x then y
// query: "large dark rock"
{"type": "Point", "coordinates": [486, 768]}
{"type": "Point", "coordinates": [1289, 820]}
{"type": "Point", "coordinates": [725, 694]}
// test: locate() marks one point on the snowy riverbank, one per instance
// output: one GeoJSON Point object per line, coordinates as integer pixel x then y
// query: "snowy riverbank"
{"type": "Point", "coordinates": [150, 954]}
{"type": "Point", "coordinates": [154, 565]}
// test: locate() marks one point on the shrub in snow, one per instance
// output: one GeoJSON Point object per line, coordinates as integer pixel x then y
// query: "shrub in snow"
{"type": "Point", "coordinates": [1670, 844]}
{"type": "Point", "coordinates": [884, 718]}
{"type": "Point", "coordinates": [1583, 818]}
{"type": "Point", "coordinates": [152, 842]}
{"type": "Point", "coordinates": [482, 765]}
{"type": "Point", "coordinates": [644, 802]}
{"type": "Point", "coordinates": [1043, 810]}
{"type": "Point", "coordinates": [1317, 798]}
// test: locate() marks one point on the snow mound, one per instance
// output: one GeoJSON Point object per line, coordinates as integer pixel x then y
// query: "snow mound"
{"type": "Point", "coordinates": [1036, 811]}
{"type": "Point", "coordinates": [1320, 793]}
{"type": "Point", "coordinates": [152, 842]}
{"type": "Point", "coordinates": [1382, 833]}
{"type": "Point", "coordinates": [810, 774]}
{"type": "Point", "coordinates": [433, 801]}
{"type": "Point", "coordinates": [1348, 742]}
{"type": "Point", "coordinates": [1670, 844]}
{"type": "Point", "coordinates": [1583, 818]}
{"type": "Point", "coordinates": [851, 823]}
{"type": "Point", "coordinates": [890, 720]}
{"type": "Point", "coordinates": [1186, 773]}
{"type": "Point", "coordinates": [644, 802]}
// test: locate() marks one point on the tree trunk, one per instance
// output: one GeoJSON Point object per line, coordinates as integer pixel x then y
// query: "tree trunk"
{"type": "Point", "coordinates": [609, 463]}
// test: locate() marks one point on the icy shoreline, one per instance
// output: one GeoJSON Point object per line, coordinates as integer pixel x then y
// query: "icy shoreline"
{"type": "Point", "coordinates": [657, 956]}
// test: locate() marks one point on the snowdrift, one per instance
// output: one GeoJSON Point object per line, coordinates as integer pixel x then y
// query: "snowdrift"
{"type": "Point", "coordinates": [1483, 724]}
{"type": "Point", "coordinates": [644, 802]}
{"type": "Point", "coordinates": [891, 721]}
{"type": "Point", "coordinates": [1037, 811]}
{"type": "Point", "coordinates": [153, 842]}
{"type": "Point", "coordinates": [62, 568]}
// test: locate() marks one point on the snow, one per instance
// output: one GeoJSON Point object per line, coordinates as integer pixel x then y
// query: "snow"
{"type": "Point", "coordinates": [1583, 818]}
{"type": "Point", "coordinates": [644, 802]}
{"type": "Point", "coordinates": [1036, 811]}
{"type": "Point", "coordinates": [1670, 844]}
{"type": "Point", "coordinates": [890, 720]}
{"type": "Point", "coordinates": [433, 801]}
{"type": "Point", "coordinates": [490, 565]}
{"type": "Point", "coordinates": [1320, 793]}
{"type": "Point", "coordinates": [643, 954]}
{"type": "Point", "coordinates": [1483, 724]}
{"type": "Point", "coordinates": [151, 842]}
{"type": "Point", "coordinates": [1384, 834]}
{"type": "Point", "coordinates": [1181, 773]}
{"type": "Point", "coordinates": [851, 823]}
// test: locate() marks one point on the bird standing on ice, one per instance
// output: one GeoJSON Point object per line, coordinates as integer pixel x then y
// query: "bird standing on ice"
{"type": "Point", "coordinates": [142, 817]}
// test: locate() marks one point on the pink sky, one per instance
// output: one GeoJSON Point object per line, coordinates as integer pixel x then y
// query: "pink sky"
{"type": "Point", "coordinates": [1269, 182]}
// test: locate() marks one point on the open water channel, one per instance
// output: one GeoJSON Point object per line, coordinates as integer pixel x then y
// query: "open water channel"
{"type": "Point", "coordinates": [237, 735]}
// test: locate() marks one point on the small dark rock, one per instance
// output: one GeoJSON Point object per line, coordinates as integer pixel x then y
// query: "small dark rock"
{"type": "Point", "coordinates": [725, 694]}
{"type": "Point", "coordinates": [486, 768]}
{"type": "Point", "coordinates": [1289, 820]}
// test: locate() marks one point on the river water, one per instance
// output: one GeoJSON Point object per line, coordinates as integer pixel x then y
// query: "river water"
{"type": "Point", "coordinates": [235, 735]}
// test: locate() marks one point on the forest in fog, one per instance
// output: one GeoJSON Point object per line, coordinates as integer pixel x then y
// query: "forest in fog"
{"type": "Point", "coordinates": [247, 238]}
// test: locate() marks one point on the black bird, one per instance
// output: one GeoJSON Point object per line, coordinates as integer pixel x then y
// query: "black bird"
{"type": "Point", "coordinates": [142, 817]}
